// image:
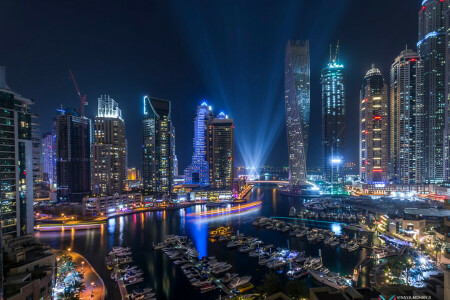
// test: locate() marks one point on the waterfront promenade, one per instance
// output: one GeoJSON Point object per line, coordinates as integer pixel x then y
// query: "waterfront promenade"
{"type": "Point", "coordinates": [95, 287]}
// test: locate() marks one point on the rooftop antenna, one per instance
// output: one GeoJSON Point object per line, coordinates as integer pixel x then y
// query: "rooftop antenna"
{"type": "Point", "coordinates": [330, 51]}
{"type": "Point", "coordinates": [337, 52]}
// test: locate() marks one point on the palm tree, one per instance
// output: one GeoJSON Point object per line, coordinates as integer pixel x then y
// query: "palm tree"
{"type": "Point", "coordinates": [270, 284]}
{"type": "Point", "coordinates": [296, 289]}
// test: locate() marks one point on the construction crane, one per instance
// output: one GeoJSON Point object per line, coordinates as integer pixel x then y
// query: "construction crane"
{"type": "Point", "coordinates": [83, 139]}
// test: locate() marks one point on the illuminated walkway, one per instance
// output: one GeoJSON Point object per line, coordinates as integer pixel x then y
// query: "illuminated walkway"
{"type": "Point", "coordinates": [284, 183]}
{"type": "Point", "coordinates": [95, 288]}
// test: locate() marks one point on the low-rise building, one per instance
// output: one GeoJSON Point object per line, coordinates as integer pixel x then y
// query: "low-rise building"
{"type": "Point", "coordinates": [29, 268]}
{"type": "Point", "coordinates": [406, 225]}
{"type": "Point", "coordinates": [96, 206]}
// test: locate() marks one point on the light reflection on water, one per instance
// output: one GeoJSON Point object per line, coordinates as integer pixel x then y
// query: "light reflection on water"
{"type": "Point", "coordinates": [140, 231]}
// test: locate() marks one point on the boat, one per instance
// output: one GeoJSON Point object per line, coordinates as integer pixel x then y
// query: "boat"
{"type": "Point", "coordinates": [238, 281]}
{"type": "Point", "coordinates": [329, 279]}
{"type": "Point", "coordinates": [207, 288]}
{"type": "Point", "coordinates": [352, 247]}
{"type": "Point", "coordinates": [311, 238]}
{"type": "Point", "coordinates": [297, 272]}
{"type": "Point", "coordinates": [245, 287]}
{"type": "Point", "coordinates": [334, 243]}
{"type": "Point", "coordinates": [201, 283]}
{"type": "Point", "coordinates": [292, 212]}
{"type": "Point", "coordinates": [357, 227]}
{"type": "Point", "coordinates": [228, 277]}
{"type": "Point", "coordinates": [245, 249]}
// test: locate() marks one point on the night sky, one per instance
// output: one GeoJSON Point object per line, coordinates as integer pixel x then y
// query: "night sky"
{"type": "Point", "coordinates": [229, 52]}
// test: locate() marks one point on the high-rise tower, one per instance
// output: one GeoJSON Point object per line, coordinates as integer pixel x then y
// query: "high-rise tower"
{"type": "Point", "coordinates": [108, 149]}
{"type": "Point", "coordinates": [297, 104]}
{"type": "Point", "coordinates": [158, 147]}
{"type": "Point", "coordinates": [222, 152]}
{"type": "Point", "coordinates": [198, 171]}
{"type": "Point", "coordinates": [16, 152]}
{"type": "Point", "coordinates": [72, 168]}
{"type": "Point", "coordinates": [48, 158]}
{"type": "Point", "coordinates": [374, 141]}
{"type": "Point", "coordinates": [333, 120]}
{"type": "Point", "coordinates": [432, 49]}
{"type": "Point", "coordinates": [406, 119]}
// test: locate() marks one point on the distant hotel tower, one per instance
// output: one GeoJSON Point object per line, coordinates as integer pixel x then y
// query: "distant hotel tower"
{"type": "Point", "coordinates": [73, 172]}
{"type": "Point", "coordinates": [432, 49]}
{"type": "Point", "coordinates": [108, 149]}
{"type": "Point", "coordinates": [221, 152]}
{"type": "Point", "coordinates": [406, 119]}
{"type": "Point", "coordinates": [374, 128]}
{"type": "Point", "coordinates": [297, 103]}
{"type": "Point", "coordinates": [48, 158]}
{"type": "Point", "coordinates": [198, 171]}
{"type": "Point", "coordinates": [16, 152]}
{"type": "Point", "coordinates": [333, 120]}
{"type": "Point", "coordinates": [157, 147]}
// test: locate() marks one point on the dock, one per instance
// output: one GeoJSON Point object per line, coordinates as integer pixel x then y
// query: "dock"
{"type": "Point", "coordinates": [214, 279]}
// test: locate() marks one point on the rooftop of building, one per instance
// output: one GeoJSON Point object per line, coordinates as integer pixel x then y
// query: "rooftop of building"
{"type": "Point", "coordinates": [373, 71]}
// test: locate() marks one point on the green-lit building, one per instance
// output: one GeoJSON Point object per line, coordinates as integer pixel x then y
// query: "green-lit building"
{"type": "Point", "coordinates": [333, 121]}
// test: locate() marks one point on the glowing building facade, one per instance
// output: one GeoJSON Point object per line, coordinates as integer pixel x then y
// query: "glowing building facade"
{"type": "Point", "coordinates": [221, 153]}
{"type": "Point", "coordinates": [108, 149]}
{"type": "Point", "coordinates": [406, 118]}
{"type": "Point", "coordinates": [297, 106]}
{"type": "Point", "coordinates": [198, 171]}
{"type": "Point", "coordinates": [374, 140]}
{"type": "Point", "coordinates": [16, 161]}
{"type": "Point", "coordinates": [48, 158]}
{"type": "Point", "coordinates": [333, 122]}
{"type": "Point", "coordinates": [158, 146]}
{"type": "Point", "coordinates": [432, 49]}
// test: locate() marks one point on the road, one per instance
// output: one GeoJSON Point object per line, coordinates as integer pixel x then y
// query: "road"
{"type": "Point", "coordinates": [95, 291]}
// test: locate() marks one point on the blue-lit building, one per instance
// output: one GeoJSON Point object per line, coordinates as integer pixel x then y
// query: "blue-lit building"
{"type": "Point", "coordinates": [297, 106]}
{"type": "Point", "coordinates": [198, 170]}
{"type": "Point", "coordinates": [432, 49]}
{"type": "Point", "coordinates": [157, 147]}
{"type": "Point", "coordinates": [333, 121]}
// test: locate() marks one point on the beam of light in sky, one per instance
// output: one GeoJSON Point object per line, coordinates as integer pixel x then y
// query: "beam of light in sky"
{"type": "Point", "coordinates": [242, 66]}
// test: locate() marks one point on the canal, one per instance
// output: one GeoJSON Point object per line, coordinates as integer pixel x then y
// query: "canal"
{"type": "Point", "coordinates": [140, 231]}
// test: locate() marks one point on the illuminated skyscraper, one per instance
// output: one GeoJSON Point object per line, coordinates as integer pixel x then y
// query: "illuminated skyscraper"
{"type": "Point", "coordinates": [48, 158]}
{"type": "Point", "coordinates": [73, 172]}
{"type": "Point", "coordinates": [406, 119]}
{"type": "Point", "coordinates": [158, 146]}
{"type": "Point", "coordinates": [333, 121]}
{"type": "Point", "coordinates": [198, 171]}
{"type": "Point", "coordinates": [222, 152]}
{"type": "Point", "coordinates": [432, 49]}
{"type": "Point", "coordinates": [297, 103]}
{"type": "Point", "coordinates": [108, 149]}
{"type": "Point", "coordinates": [16, 152]}
{"type": "Point", "coordinates": [374, 141]}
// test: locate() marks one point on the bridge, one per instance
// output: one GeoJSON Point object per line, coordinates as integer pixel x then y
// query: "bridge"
{"type": "Point", "coordinates": [278, 182]}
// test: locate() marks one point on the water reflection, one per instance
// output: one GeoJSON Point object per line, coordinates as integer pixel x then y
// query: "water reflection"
{"type": "Point", "coordinates": [141, 230]}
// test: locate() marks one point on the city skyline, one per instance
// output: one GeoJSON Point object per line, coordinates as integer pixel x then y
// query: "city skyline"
{"type": "Point", "coordinates": [357, 58]}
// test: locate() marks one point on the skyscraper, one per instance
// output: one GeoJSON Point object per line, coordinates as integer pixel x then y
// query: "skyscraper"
{"type": "Point", "coordinates": [374, 141]}
{"type": "Point", "coordinates": [406, 119]}
{"type": "Point", "coordinates": [48, 158]}
{"type": "Point", "coordinates": [16, 161]}
{"type": "Point", "coordinates": [297, 104]}
{"type": "Point", "coordinates": [108, 149]}
{"type": "Point", "coordinates": [333, 121]}
{"type": "Point", "coordinates": [432, 49]}
{"type": "Point", "coordinates": [72, 163]}
{"type": "Point", "coordinates": [222, 152]}
{"type": "Point", "coordinates": [157, 147]}
{"type": "Point", "coordinates": [198, 171]}
{"type": "Point", "coordinates": [37, 152]}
